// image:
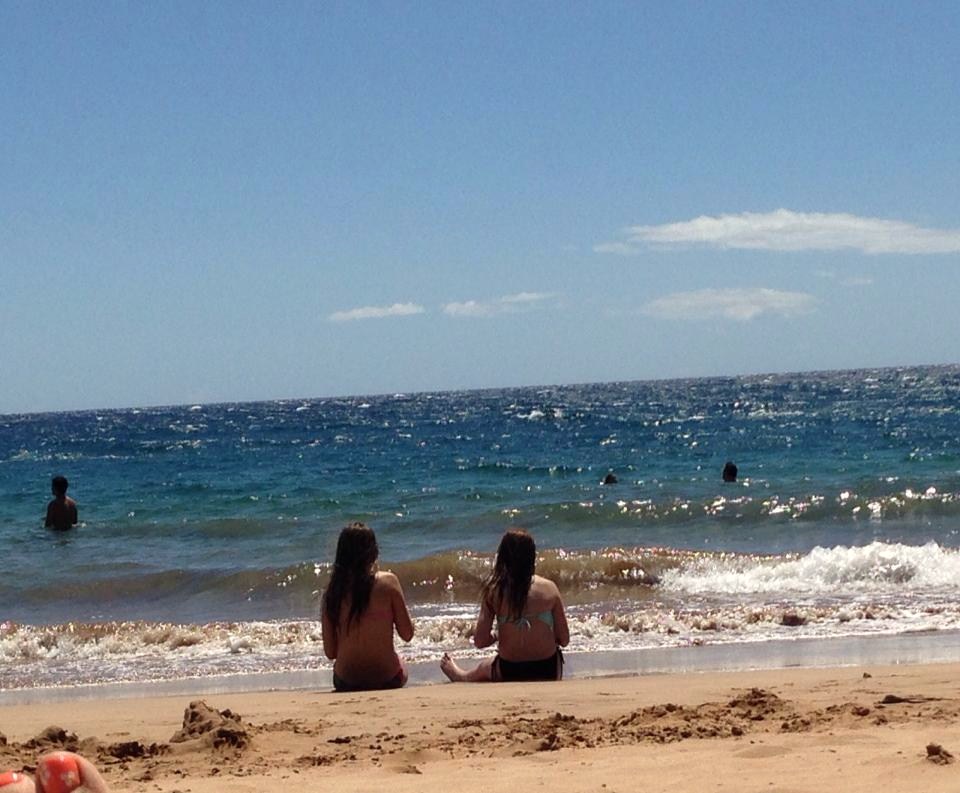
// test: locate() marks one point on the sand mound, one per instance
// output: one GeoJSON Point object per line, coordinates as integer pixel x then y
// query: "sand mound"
{"type": "Point", "coordinates": [131, 750]}
{"type": "Point", "coordinates": [937, 754]}
{"type": "Point", "coordinates": [212, 727]}
{"type": "Point", "coordinates": [53, 738]}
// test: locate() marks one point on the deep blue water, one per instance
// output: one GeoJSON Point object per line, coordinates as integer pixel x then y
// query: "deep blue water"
{"type": "Point", "coordinates": [206, 530]}
{"type": "Point", "coordinates": [183, 508]}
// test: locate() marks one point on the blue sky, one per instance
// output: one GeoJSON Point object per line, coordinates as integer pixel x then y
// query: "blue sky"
{"type": "Point", "coordinates": [230, 201]}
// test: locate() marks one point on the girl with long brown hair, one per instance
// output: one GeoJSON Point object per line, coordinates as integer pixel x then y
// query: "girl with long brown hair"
{"type": "Point", "coordinates": [528, 611]}
{"type": "Point", "coordinates": [361, 606]}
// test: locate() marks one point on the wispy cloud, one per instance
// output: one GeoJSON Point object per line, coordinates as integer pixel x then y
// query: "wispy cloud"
{"type": "Point", "coordinates": [850, 280]}
{"type": "Point", "coordinates": [784, 230]}
{"type": "Point", "coordinates": [376, 312]}
{"type": "Point", "coordinates": [736, 304]}
{"type": "Point", "coordinates": [508, 304]}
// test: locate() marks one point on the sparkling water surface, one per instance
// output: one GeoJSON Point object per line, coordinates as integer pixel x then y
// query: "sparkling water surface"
{"type": "Point", "coordinates": [224, 517]}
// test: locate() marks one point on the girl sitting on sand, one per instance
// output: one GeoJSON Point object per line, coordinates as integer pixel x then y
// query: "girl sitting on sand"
{"type": "Point", "coordinates": [531, 623]}
{"type": "Point", "coordinates": [360, 608]}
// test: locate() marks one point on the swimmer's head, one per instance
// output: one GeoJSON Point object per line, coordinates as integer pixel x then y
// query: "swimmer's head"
{"type": "Point", "coordinates": [59, 485]}
{"type": "Point", "coordinates": [729, 472]}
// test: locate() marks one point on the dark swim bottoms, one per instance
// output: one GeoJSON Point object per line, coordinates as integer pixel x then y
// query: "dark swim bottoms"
{"type": "Point", "coordinates": [521, 671]}
{"type": "Point", "coordinates": [396, 681]}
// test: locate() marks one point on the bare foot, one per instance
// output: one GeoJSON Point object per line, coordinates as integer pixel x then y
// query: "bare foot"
{"type": "Point", "coordinates": [449, 667]}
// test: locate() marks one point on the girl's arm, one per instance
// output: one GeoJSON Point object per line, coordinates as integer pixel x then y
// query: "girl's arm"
{"type": "Point", "coordinates": [483, 635]}
{"type": "Point", "coordinates": [329, 632]}
{"type": "Point", "coordinates": [401, 615]}
{"type": "Point", "coordinates": [560, 628]}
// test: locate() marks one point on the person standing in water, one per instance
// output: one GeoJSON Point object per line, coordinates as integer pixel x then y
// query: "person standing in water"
{"type": "Point", "coordinates": [360, 608]}
{"type": "Point", "coordinates": [62, 510]}
{"type": "Point", "coordinates": [531, 622]}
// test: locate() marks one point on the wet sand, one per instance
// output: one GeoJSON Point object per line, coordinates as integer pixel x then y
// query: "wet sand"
{"type": "Point", "coordinates": [851, 728]}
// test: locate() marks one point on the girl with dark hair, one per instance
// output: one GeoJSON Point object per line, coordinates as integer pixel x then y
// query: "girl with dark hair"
{"type": "Point", "coordinates": [360, 608]}
{"type": "Point", "coordinates": [531, 623]}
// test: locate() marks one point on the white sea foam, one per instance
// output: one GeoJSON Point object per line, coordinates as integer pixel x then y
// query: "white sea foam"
{"type": "Point", "coordinates": [534, 415]}
{"type": "Point", "coordinates": [33, 656]}
{"type": "Point", "coordinates": [875, 567]}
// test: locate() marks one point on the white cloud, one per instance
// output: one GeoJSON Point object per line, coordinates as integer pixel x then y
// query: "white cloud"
{"type": "Point", "coordinates": [736, 304]}
{"type": "Point", "coordinates": [527, 297]}
{"type": "Point", "coordinates": [376, 312]}
{"type": "Point", "coordinates": [508, 304]}
{"type": "Point", "coordinates": [470, 308]}
{"type": "Point", "coordinates": [850, 280]}
{"type": "Point", "coordinates": [784, 230]}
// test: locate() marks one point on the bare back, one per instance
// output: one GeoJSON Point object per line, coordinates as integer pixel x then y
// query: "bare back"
{"type": "Point", "coordinates": [61, 514]}
{"type": "Point", "coordinates": [533, 636]}
{"type": "Point", "coordinates": [363, 651]}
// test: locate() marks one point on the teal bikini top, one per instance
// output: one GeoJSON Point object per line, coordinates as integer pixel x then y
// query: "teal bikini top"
{"type": "Point", "coordinates": [524, 622]}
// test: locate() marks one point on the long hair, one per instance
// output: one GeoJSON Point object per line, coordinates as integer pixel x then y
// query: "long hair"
{"type": "Point", "coordinates": [353, 573]}
{"type": "Point", "coordinates": [509, 583]}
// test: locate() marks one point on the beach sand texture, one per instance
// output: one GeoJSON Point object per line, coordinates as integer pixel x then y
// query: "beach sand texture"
{"type": "Point", "coordinates": [853, 729]}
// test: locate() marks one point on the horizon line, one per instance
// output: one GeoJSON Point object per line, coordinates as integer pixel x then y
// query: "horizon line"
{"type": "Point", "coordinates": [187, 404]}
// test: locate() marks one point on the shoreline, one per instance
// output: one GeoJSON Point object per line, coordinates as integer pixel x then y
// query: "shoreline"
{"type": "Point", "coordinates": [906, 649]}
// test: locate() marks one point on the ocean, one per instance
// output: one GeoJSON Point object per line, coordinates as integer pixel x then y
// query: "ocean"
{"type": "Point", "coordinates": [207, 531]}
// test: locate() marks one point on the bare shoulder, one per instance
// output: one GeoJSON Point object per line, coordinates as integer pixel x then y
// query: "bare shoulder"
{"type": "Point", "coordinates": [546, 586]}
{"type": "Point", "coordinates": [387, 579]}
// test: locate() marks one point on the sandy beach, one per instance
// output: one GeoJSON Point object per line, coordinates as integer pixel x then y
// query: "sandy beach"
{"type": "Point", "coordinates": [849, 728]}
